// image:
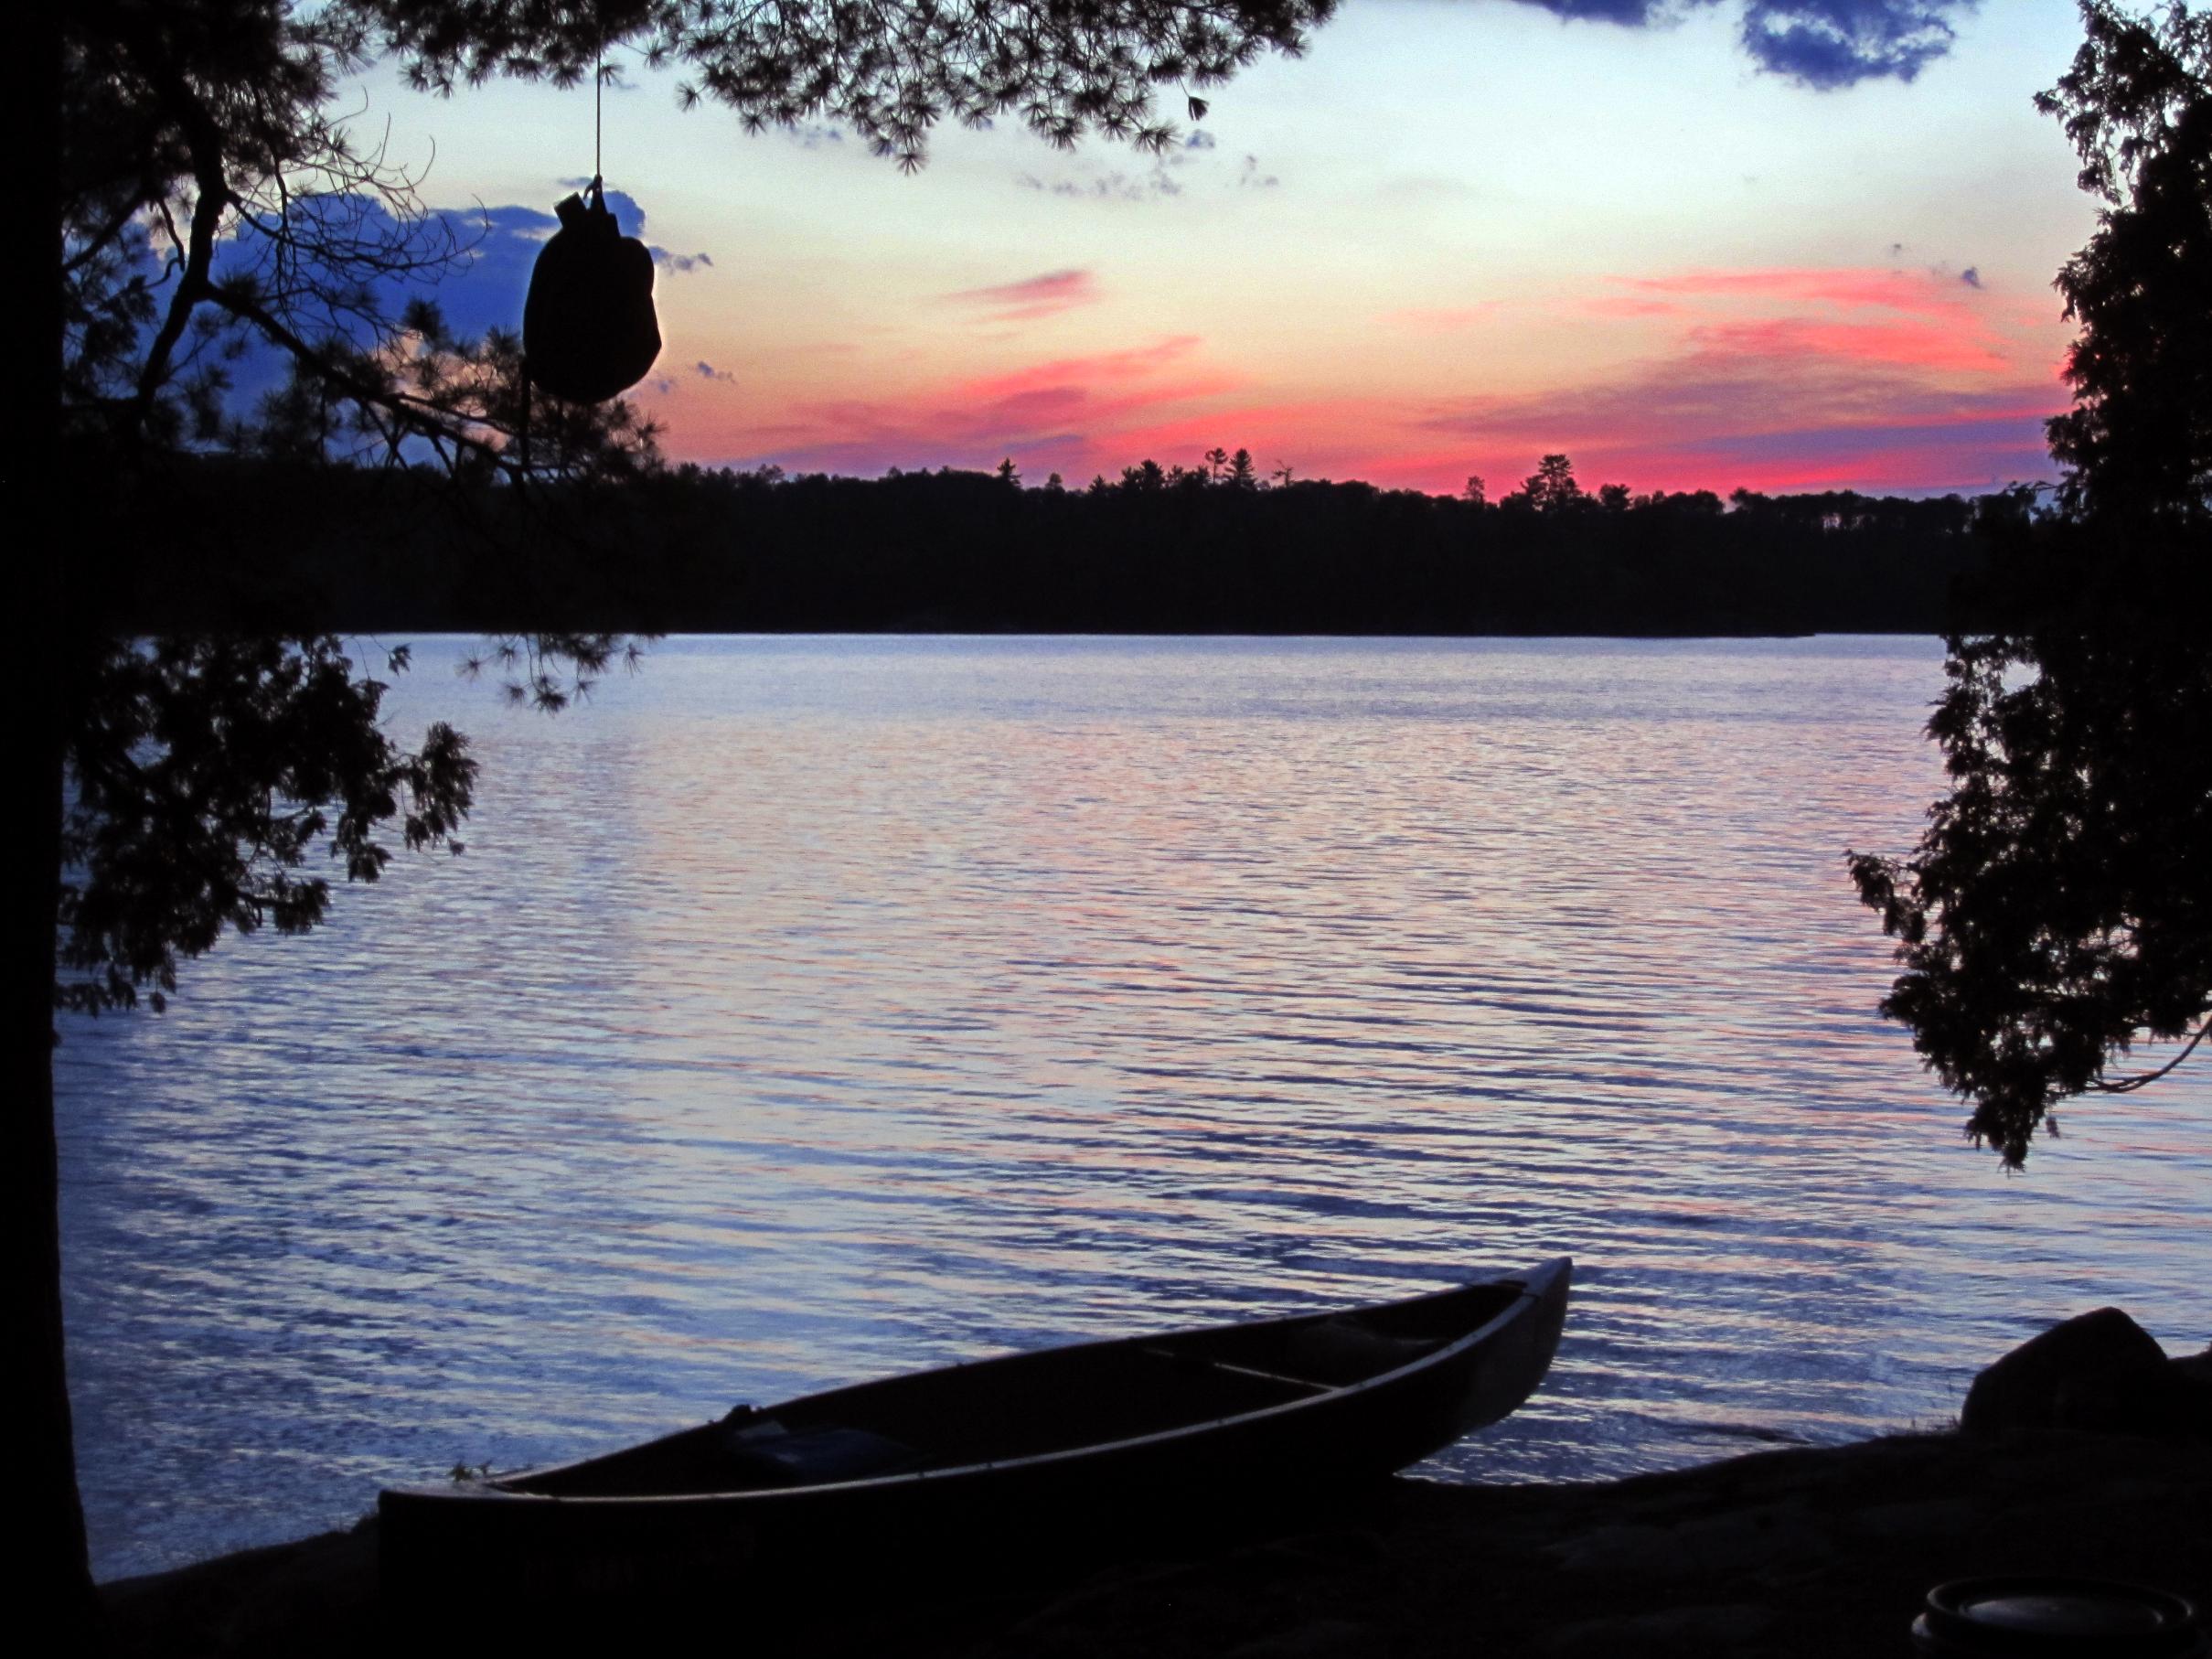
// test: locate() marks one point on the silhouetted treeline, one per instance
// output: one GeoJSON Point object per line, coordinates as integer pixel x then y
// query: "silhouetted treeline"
{"type": "Point", "coordinates": [697, 550]}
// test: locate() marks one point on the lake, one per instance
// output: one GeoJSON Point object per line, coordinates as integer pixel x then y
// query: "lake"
{"type": "Point", "coordinates": [809, 1009]}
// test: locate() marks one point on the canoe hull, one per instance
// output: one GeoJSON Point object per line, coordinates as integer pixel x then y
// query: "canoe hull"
{"type": "Point", "coordinates": [464, 1541]}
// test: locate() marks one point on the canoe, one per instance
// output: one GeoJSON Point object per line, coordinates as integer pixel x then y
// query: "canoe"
{"type": "Point", "coordinates": [1095, 1440]}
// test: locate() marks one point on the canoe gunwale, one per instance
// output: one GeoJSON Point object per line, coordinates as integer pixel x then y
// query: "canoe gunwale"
{"type": "Point", "coordinates": [1537, 1287]}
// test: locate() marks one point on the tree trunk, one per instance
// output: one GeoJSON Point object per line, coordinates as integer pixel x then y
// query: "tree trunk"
{"type": "Point", "coordinates": [53, 1562]}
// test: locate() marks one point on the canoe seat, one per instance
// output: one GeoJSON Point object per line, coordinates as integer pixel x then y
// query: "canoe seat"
{"type": "Point", "coordinates": [1301, 1385]}
{"type": "Point", "coordinates": [1341, 1351]}
{"type": "Point", "coordinates": [765, 1454]}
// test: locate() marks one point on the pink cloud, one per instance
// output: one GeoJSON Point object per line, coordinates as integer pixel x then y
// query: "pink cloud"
{"type": "Point", "coordinates": [1786, 408]}
{"type": "Point", "coordinates": [1914, 318]}
{"type": "Point", "coordinates": [1776, 378]}
{"type": "Point", "coordinates": [1781, 377]}
{"type": "Point", "coordinates": [1068, 414]}
{"type": "Point", "coordinates": [1035, 296]}
{"type": "Point", "coordinates": [1909, 344]}
{"type": "Point", "coordinates": [1627, 304]}
{"type": "Point", "coordinates": [1851, 287]}
{"type": "Point", "coordinates": [1103, 367]}
{"type": "Point", "coordinates": [1272, 432]}
{"type": "Point", "coordinates": [1716, 393]}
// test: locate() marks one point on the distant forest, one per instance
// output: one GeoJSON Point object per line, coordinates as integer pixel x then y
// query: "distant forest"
{"type": "Point", "coordinates": [1213, 549]}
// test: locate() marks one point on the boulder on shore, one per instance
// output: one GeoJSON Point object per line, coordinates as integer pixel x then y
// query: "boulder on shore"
{"type": "Point", "coordinates": [2100, 1371]}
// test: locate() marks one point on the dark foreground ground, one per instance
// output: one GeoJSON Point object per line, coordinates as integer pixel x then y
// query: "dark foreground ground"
{"type": "Point", "coordinates": [1803, 1553]}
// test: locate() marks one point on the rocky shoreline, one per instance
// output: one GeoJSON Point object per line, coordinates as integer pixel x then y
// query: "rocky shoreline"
{"type": "Point", "coordinates": [1807, 1552]}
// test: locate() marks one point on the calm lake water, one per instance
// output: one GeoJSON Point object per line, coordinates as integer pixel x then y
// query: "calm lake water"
{"type": "Point", "coordinates": [809, 1009]}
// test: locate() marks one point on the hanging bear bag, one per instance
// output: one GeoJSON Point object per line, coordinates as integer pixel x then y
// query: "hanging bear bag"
{"type": "Point", "coordinates": [588, 329]}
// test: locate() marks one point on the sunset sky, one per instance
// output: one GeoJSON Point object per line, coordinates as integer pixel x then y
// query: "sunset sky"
{"type": "Point", "coordinates": [1692, 244]}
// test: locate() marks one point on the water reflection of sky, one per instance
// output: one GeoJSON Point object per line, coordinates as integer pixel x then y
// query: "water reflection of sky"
{"type": "Point", "coordinates": [806, 1010]}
